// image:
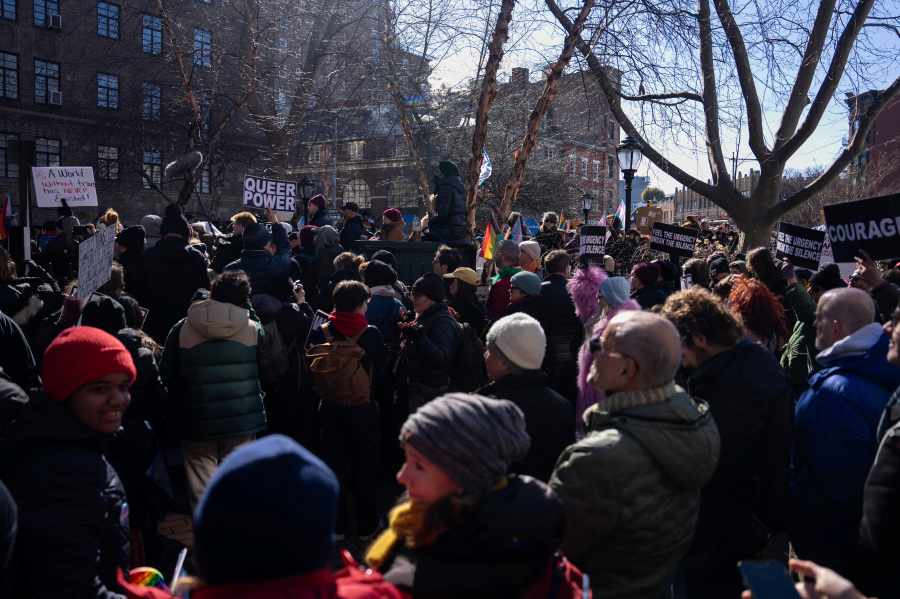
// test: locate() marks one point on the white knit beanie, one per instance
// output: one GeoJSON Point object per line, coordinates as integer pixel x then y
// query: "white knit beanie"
{"type": "Point", "coordinates": [520, 339]}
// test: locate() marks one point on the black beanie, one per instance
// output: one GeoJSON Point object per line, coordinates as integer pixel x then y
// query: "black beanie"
{"type": "Point", "coordinates": [255, 236]}
{"type": "Point", "coordinates": [448, 167]}
{"type": "Point", "coordinates": [132, 238]}
{"type": "Point", "coordinates": [431, 286]}
{"type": "Point", "coordinates": [386, 257]}
{"type": "Point", "coordinates": [828, 278]}
{"type": "Point", "coordinates": [174, 222]}
{"type": "Point", "coordinates": [104, 313]}
{"type": "Point", "coordinates": [378, 273]}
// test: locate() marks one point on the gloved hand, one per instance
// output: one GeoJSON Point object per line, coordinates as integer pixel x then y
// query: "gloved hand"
{"type": "Point", "coordinates": [414, 332]}
{"type": "Point", "coordinates": [787, 269]}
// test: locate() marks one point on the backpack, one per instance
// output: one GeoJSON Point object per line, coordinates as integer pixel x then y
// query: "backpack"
{"type": "Point", "coordinates": [561, 579]}
{"type": "Point", "coordinates": [338, 375]}
{"type": "Point", "coordinates": [272, 355]}
{"type": "Point", "coordinates": [468, 371]}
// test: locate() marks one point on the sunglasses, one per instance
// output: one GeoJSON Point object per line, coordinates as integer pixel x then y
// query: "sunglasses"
{"type": "Point", "coordinates": [596, 346]}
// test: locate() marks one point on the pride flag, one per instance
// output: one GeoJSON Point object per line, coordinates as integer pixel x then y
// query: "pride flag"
{"type": "Point", "coordinates": [5, 214]}
{"type": "Point", "coordinates": [603, 220]}
{"type": "Point", "coordinates": [486, 168]}
{"type": "Point", "coordinates": [491, 238]}
{"type": "Point", "coordinates": [517, 230]}
{"type": "Point", "coordinates": [620, 213]}
{"type": "Point", "coordinates": [562, 221]}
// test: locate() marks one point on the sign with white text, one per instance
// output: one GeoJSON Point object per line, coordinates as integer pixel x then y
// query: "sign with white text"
{"type": "Point", "coordinates": [74, 184]}
{"type": "Point", "coordinates": [677, 241]}
{"type": "Point", "coordinates": [95, 256]}
{"type": "Point", "coordinates": [268, 193]}
{"type": "Point", "coordinates": [872, 225]}
{"type": "Point", "coordinates": [592, 244]}
{"type": "Point", "coordinates": [801, 245]}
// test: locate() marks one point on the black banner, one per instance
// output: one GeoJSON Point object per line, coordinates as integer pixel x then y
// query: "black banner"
{"type": "Point", "coordinates": [593, 244]}
{"type": "Point", "coordinates": [677, 241]}
{"type": "Point", "coordinates": [802, 245]}
{"type": "Point", "coordinates": [872, 224]}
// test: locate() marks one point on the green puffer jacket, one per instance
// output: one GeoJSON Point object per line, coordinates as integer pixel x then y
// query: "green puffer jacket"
{"type": "Point", "coordinates": [209, 365]}
{"type": "Point", "coordinates": [631, 489]}
{"type": "Point", "coordinates": [802, 342]}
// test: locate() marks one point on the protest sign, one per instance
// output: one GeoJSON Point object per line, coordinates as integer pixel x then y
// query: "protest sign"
{"type": "Point", "coordinates": [74, 184]}
{"type": "Point", "coordinates": [687, 281]}
{"type": "Point", "coordinates": [801, 245]}
{"type": "Point", "coordinates": [677, 241]}
{"type": "Point", "coordinates": [95, 256]}
{"type": "Point", "coordinates": [593, 244]}
{"type": "Point", "coordinates": [268, 193]}
{"type": "Point", "coordinates": [872, 225]}
{"type": "Point", "coordinates": [646, 216]}
{"type": "Point", "coordinates": [319, 319]}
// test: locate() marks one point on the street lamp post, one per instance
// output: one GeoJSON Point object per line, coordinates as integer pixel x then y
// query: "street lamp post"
{"type": "Point", "coordinates": [586, 202]}
{"type": "Point", "coordinates": [306, 191]}
{"type": "Point", "coordinates": [629, 153]}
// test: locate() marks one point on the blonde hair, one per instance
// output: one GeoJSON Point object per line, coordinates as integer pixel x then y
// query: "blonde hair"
{"type": "Point", "coordinates": [110, 219]}
{"type": "Point", "coordinates": [243, 218]}
{"type": "Point", "coordinates": [7, 266]}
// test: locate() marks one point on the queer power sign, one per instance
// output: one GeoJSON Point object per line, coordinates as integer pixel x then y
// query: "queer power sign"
{"type": "Point", "coordinates": [267, 193]}
{"type": "Point", "coordinates": [872, 224]}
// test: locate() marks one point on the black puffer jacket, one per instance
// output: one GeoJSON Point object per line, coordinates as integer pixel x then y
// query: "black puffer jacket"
{"type": "Point", "coordinates": [450, 203]}
{"type": "Point", "coordinates": [429, 359]}
{"type": "Point", "coordinates": [564, 336]}
{"type": "Point", "coordinates": [73, 516]}
{"type": "Point", "coordinates": [353, 229]}
{"type": "Point", "coordinates": [131, 264]}
{"type": "Point", "coordinates": [323, 300]}
{"type": "Point", "coordinates": [649, 296]}
{"type": "Point", "coordinates": [469, 308]}
{"type": "Point", "coordinates": [172, 271]}
{"type": "Point", "coordinates": [495, 553]}
{"type": "Point", "coordinates": [228, 249]}
{"type": "Point", "coordinates": [549, 419]}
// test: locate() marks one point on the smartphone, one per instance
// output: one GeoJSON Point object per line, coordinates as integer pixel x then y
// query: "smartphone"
{"type": "Point", "coordinates": [768, 579]}
{"type": "Point", "coordinates": [80, 230]}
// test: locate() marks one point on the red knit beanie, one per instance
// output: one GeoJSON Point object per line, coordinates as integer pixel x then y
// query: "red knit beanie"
{"type": "Point", "coordinates": [80, 355]}
{"type": "Point", "coordinates": [393, 214]}
{"type": "Point", "coordinates": [647, 273]}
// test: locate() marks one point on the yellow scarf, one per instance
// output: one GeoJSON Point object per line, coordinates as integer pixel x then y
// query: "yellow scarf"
{"type": "Point", "coordinates": [405, 519]}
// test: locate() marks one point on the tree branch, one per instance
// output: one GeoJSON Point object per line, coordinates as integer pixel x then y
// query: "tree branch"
{"type": "Point", "coordinates": [711, 95]}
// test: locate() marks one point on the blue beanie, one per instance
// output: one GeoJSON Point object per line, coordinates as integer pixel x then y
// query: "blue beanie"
{"type": "Point", "coordinates": [255, 236]}
{"type": "Point", "coordinates": [268, 512]}
{"type": "Point", "coordinates": [615, 290]}
{"type": "Point", "coordinates": [528, 282]}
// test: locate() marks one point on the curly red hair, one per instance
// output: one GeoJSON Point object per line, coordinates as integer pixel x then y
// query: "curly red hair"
{"type": "Point", "coordinates": [759, 309]}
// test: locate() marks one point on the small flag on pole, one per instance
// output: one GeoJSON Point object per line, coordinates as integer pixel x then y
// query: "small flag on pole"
{"type": "Point", "coordinates": [491, 238]}
{"type": "Point", "coordinates": [5, 215]}
{"type": "Point", "coordinates": [517, 230]}
{"type": "Point", "coordinates": [486, 168]}
{"type": "Point", "coordinates": [620, 213]}
{"type": "Point", "coordinates": [603, 219]}
{"type": "Point", "coordinates": [562, 220]}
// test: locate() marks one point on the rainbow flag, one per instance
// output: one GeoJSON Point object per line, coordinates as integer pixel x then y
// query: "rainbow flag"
{"type": "Point", "coordinates": [620, 213]}
{"type": "Point", "coordinates": [517, 231]}
{"type": "Point", "coordinates": [491, 238]}
{"type": "Point", "coordinates": [562, 221]}
{"type": "Point", "coordinates": [5, 214]}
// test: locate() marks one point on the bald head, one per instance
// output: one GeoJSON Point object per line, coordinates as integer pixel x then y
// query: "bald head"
{"type": "Point", "coordinates": [840, 313]}
{"type": "Point", "coordinates": [651, 340]}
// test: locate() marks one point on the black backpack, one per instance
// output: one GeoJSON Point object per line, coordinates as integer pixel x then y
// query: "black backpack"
{"type": "Point", "coordinates": [468, 371]}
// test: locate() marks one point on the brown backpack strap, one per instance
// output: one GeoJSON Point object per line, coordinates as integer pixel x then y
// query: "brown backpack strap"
{"type": "Point", "coordinates": [355, 338]}
{"type": "Point", "coordinates": [328, 337]}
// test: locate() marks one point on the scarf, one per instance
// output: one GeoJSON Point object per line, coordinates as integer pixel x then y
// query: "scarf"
{"type": "Point", "coordinates": [506, 271]}
{"type": "Point", "coordinates": [348, 323]}
{"type": "Point", "coordinates": [405, 520]}
{"type": "Point", "coordinates": [382, 291]}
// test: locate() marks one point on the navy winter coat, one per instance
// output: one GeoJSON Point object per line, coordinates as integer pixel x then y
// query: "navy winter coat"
{"type": "Point", "coordinates": [353, 229]}
{"type": "Point", "coordinates": [261, 266]}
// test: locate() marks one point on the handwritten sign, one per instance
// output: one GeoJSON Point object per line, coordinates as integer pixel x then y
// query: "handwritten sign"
{"type": "Point", "coordinates": [593, 244]}
{"type": "Point", "coordinates": [268, 193]}
{"type": "Point", "coordinates": [74, 184]}
{"type": "Point", "coordinates": [677, 241]}
{"type": "Point", "coordinates": [95, 256]}
{"type": "Point", "coordinates": [801, 245]}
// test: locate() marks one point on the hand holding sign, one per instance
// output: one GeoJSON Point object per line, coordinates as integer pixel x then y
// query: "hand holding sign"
{"type": "Point", "coordinates": [868, 270]}
{"type": "Point", "coordinates": [270, 214]}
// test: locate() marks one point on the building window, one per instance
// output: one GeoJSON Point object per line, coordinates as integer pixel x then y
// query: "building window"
{"type": "Point", "coordinates": [151, 101]}
{"type": "Point", "coordinates": [374, 34]}
{"type": "Point", "coordinates": [46, 80]}
{"type": "Point", "coordinates": [401, 193]}
{"type": "Point", "coordinates": [356, 150]}
{"type": "Point", "coordinates": [281, 108]}
{"type": "Point", "coordinates": [584, 168]}
{"type": "Point", "coordinates": [548, 153]}
{"type": "Point", "coordinates": [205, 183]}
{"type": "Point", "coordinates": [152, 35]}
{"type": "Point", "coordinates": [311, 101]}
{"type": "Point", "coordinates": [8, 9]}
{"type": "Point", "coordinates": [612, 131]}
{"type": "Point", "coordinates": [596, 170]}
{"type": "Point", "coordinates": [108, 163]}
{"type": "Point", "coordinates": [10, 171]}
{"type": "Point", "coordinates": [315, 155]}
{"type": "Point", "coordinates": [9, 76]}
{"type": "Point", "coordinates": [571, 166]}
{"type": "Point", "coordinates": [107, 90]}
{"type": "Point", "coordinates": [357, 190]}
{"type": "Point", "coordinates": [153, 169]}
{"type": "Point", "coordinates": [108, 20]}
{"type": "Point", "coordinates": [610, 167]}
{"type": "Point", "coordinates": [42, 11]}
{"type": "Point", "coordinates": [282, 46]}
{"type": "Point", "coordinates": [328, 59]}
{"type": "Point", "coordinates": [401, 148]}
{"type": "Point", "coordinates": [202, 48]}
{"type": "Point", "coordinates": [46, 152]}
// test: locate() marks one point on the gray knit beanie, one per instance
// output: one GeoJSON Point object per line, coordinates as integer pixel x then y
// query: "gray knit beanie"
{"type": "Point", "coordinates": [473, 439]}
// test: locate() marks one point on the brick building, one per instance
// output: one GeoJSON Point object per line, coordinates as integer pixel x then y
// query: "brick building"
{"type": "Point", "coordinates": [878, 166]}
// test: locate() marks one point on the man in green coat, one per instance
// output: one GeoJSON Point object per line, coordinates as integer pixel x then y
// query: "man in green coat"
{"type": "Point", "coordinates": [209, 366]}
{"type": "Point", "coordinates": [631, 487]}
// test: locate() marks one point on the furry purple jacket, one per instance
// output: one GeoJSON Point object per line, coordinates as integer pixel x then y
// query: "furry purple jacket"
{"type": "Point", "coordinates": [583, 288]}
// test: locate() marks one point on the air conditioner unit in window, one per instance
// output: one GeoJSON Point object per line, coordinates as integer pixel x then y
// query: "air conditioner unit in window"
{"type": "Point", "coordinates": [56, 98]}
{"type": "Point", "coordinates": [55, 21]}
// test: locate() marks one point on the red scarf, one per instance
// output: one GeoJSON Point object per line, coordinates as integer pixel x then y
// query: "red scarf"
{"type": "Point", "coordinates": [348, 323]}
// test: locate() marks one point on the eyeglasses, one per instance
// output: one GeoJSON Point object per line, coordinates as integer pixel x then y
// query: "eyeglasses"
{"type": "Point", "coordinates": [895, 319]}
{"type": "Point", "coordinates": [596, 346]}
{"type": "Point", "coordinates": [813, 288]}
{"type": "Point", "coordinates": [415, 295]}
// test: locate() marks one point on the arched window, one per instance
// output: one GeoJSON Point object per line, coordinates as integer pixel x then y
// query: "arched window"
{"type": "Point", "coordinates": [357, 190]}
{"type": "Point", "coordinates": [402, 194]}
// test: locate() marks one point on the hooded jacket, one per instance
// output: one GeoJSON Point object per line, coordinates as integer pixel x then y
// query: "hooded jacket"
{"type": "Point", "coordinates": [209, 365]}
{"type": "Point", "coordinates": [631, 489]}
{"type": "Point", "coordinates": [171, 272]}
{"type": "Point", "coordinates": [800, 349]}
{"type": "Point", "coordinates": [261, 266]}
{"type": "Point", "coordinates": [450, 203]}
{"type": "Point", "coordinates": [353, 229]}
{"type": "Point", "coordinates": [228, 249]}
{"type": "Point", "coordinates": [392, 230]}
{"type": "Point", "coordinates": [835, 440]}
{"type": "Point", "coordinates": [328, 247]}
{"type": "Point", "coordinates": [321, 218]}
{"type": "Point", "coordinates": [73, 515]}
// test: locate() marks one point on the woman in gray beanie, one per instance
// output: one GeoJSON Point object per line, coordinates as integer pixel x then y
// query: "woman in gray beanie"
{"type": "Point", "coordinates": [465, 528]}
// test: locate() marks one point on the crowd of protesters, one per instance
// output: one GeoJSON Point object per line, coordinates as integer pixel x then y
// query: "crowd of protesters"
{"type": "Point", "coordinates": [578, 433]}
